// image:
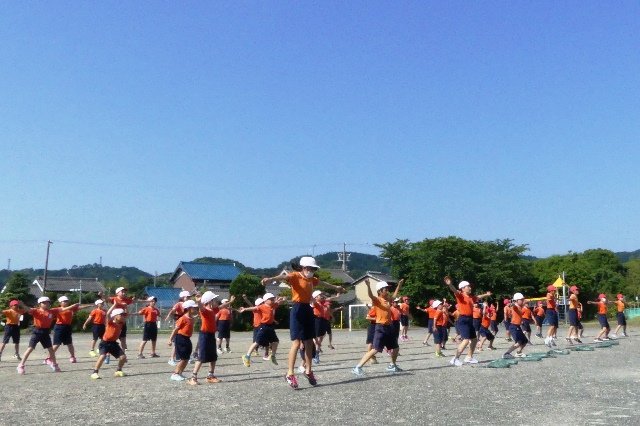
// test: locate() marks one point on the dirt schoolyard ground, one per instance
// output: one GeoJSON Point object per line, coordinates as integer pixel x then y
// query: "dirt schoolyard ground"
{"type": "Point", "coordinates": [598, 387]}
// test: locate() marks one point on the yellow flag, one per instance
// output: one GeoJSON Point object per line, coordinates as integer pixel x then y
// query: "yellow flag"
{"type": "Point", "coordinates": [559, 282]}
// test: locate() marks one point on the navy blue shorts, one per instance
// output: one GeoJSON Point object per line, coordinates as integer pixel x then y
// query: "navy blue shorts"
{"type": "Point", "coordinates": [517, 335]}
{"type": "Point", "coordinates": [507, 323]}
{"type": "Point", "coordinates": [123, 332]}
{"type": "Point", "coordinates": [371, 331]}
{"type": "Point", "coordinates": [40, 335]}
{"type": "Point", "coordinates": [62, 335]}
{"type": "Point", "coordinates": [321, 326]}
{"type": "Point", "coordinates": [622, 320]}
{"type": "Point", "coordinates": [266, 335]}
{"type": "Point", "coordinates": [404, 320]}
{"type": "Point", "coordinates": [183, 347]}
{"type": "Point", "coordinates": [551, 317]}
{"type": "Point", "coordinates": [494, 326]}
{"type": "Point", "coordinates": [112, 348]}
{"type": "Point", "coordinates": [476, 324]}
{"type": "Point", "coordinates": [526, 325]}
{"type": "Point", "coordinates": [207, 347]}
{"type": "Point", "coordinates": [465, 327]}
{"type": "Point", "coordinates": [539, 320]}
{"type": "Point", "coordinates": [396, 328]}
{"type": "Point", "coordinates": [602, 319]}
{"type": "Point", "coordinates": [572, 314]}
{"type": "Point", "coordinates": [301, 322]}
{"type": "Point", "coordinates": [150, 331]}
{"type": "Point", "coordinates": [485, 332]}
{"type": "Point", "coordinates": [97, 330]}
{"type": "Point", "coordinates": [11, 331]}
{"type": "Point", "coordinates": [255, 333]}
{"type": "Point", "coordinates": [224, 329]}
{"type": "Point", "coordinates": [385, 337]}
{"type": "Point", "coordinates": [439, 334]}
{"type": "Point", "coordinates": [430, 325]}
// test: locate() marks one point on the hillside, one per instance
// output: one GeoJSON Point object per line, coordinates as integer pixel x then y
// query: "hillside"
{"type": "Point", "coordinates": [626, 256]}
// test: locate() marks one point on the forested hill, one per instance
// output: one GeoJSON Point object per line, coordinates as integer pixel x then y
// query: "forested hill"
{"type": "Point", "coordinates": [626, 256]}
{"type": "Point", "coordinates": [104, 273]}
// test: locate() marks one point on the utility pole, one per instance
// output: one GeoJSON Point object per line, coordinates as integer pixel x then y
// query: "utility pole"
{"type": "Point", "coordinates": [9, 265]}
{"type": "Point", "coordinates": [344, 257]}
{"type": "Point", "coordinates": [46, 267]}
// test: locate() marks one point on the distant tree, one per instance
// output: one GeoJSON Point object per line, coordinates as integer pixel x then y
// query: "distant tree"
{"type": "Point", "coordinates": [246, 284]}
{"type": "Point", "coordinates": [17, 288]}
{"type": "Point", "coordinates": [632, 282]}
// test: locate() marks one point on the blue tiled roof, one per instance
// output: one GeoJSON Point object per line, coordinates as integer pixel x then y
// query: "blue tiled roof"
{"type": "Point", "coordinates": [205, 271]}
{"type": "Point", "coordinates": [167, 297]}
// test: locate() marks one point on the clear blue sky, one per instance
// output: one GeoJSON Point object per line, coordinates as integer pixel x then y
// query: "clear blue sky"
{"type": "Point", "coordinates": [154, 132]}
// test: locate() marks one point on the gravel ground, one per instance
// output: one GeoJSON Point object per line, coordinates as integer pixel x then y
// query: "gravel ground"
{"type": "Point", "coordinates": [598, 387]}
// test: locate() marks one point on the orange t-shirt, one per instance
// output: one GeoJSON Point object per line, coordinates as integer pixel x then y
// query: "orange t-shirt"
{"type": "Point", "coordinates": [404, 309]}
{"type": "Point", "coordinates": [573, 302]}
{"type": "Point", "coordinates": [602, 308]}
{"type": "Point", "coordinates": [13, 317]}
{"type": "Point", "coordinates": [224, 314]}
{"type": "Point", "coordinates": [178, 310]}
{"type": "Point", "coordinates": [98, 316]}
{"type": "Point", "coordinates": [257, 317]}
{"type": "Point", "coordinates": [477, 312]}
{"type": "Point", "coordinates": [493, 314]}
{"type": "Point", "coordinates": [185, 325]}
{"type": "Point", "coordinates": [486, 319]}
{"type": "Point", "coordinates": [516, 315]}
{"type": "Point", "coordinates": [207, 320]}
{"type": "Point", "coordinates": [507, 312]}
{"type": "Point", "coordinates": [539, 311]}
{"type": "Point", "coordinates": [65, 317]}
{"type": "Point", "coordinates": [149, 313]}
{"type": "Point", "coordinates": [43, 318]}
{"type": "Point", "coordinates": [441, 319]}
{"type": "Point", "coordinates": [318, 309]}
{"type": "Point", "coordinates": [112, 330]}
{"type": "Point", "coordinates": [431, 312]}
{"type": "Point", "coordinates": [395, 313]}
{"type": "Point", "coordinates": [301, 287]}
{"type": "Point", "coordinates": [465, 303]}
{"type": "Point", "coordinates": [620, 305]}
{"type": "Point", "coordinates": [526, 312]}
{"type": "Point", "coordinates": [551, 300]}
{"type": "Point", "coordinates": [383, 310]}
{"type": "Point", "coordinates": [121, 303]}
{"type": "Point", "coordinates": [327, 310]}
{"type": "Point", "coordinates": [267, 313]}
{"type": "Point", "coordinates": [372, 314]}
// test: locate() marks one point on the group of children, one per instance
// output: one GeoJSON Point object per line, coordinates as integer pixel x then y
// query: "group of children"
{"type": "Point", "coordinates": [310, 315]}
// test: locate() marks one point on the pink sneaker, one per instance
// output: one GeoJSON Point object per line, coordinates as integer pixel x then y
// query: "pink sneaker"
{"type": "Point", "coordinates": [55, 368]}
{"type": "Point", "coordinates": [20, 369]}
{"type": "Point", "coordinates": [72, 360]}
{"type": "Point", "coordinates": [46, 361]}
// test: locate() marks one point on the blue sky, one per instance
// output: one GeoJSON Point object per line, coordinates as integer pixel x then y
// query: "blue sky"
{"type": "Point", "coordinates": [153, 132]}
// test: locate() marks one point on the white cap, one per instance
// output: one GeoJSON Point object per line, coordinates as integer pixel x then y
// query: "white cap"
{"type": "Point", "coordinates": [207, 297]}
{"type": "Point", "coordinates": [380, 285]}
{"type": "Point", "coordinates": [258, 301]}
{"type": "Point", "coordinates": [43, 299]}
{"type": "Point", "coordinates": [268, 296]}
{"type": "Point", "coordinates": [316, 294]}
{"type": "Point", "coordinates": [224, 300]}
{"type": "Point", "coordinates": [436, 303]}
{"type": "Point", "coordinates": [151, 299]}
{"type": "Point", "coordinates": [99, 302]}
{"type": "Point", "coordinates": [309, 262]}
{"type": "Point", "coordinates": [189, 304]}
{"type": "Point", "coordinates": [63, 299]}
{"type": "Point", "coordinates": [518, 296]}
{"type": "Point", "coordinates": [463, 284]}
{"type": "Point", "coordinates": [397, 299]}
{"type": "Point", "coordinates": [185, 293]}
{"type": "Point", "coordinates": [119, 289]}
{"type": "Point", "coordinates": [117, 311]}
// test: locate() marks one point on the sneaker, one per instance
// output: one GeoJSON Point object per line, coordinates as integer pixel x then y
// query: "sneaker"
{"type": "Point", "coordinates": [439, 355]}
{"type": "Point", "coordinates": [17, 356]}
{"type": "Point", "coordinates": [358, 371]}
{"type": "Point", "coordinates": [46, 361]}
{"type": "Point", "coordinates": [155, 356]}
{"type": "Point", "coordinates": [425, 344]}
{"type": "Point", "coordinates": [118, 373]}
{"type": "Point", "coordinates": [219, 351]}
{"type": "Point", "coordinates": [605, 338]}
{"type": "Point", "coordinates": [291, 381]}
{"type": "Point", "coordinates": [172, 362]}
{"type": "Point", "coordinates": [553, 342]}
{"type": "Point", "coordinates": [547, 342]}
{"type": "Point", "coordinates": [95, 376]}
{"type": "Point", "coordinates": [625, 334]}
{"type": "Point", "coordinates": [20, 369]}
{"type": "Point", "coordinates": [107, 359]}
{"type": "Point", "coordinates": [520, 355]}
{"type": "Point", "coordinates": [316, 359]}
{"type": "Point", "coordinates": [140, 356]}
{"type": "Point", "coordinates": [93, 354]}
{"type": "Point", "coordinates": [311, 378]}
{"type": "Point", "coordinates": [507, 356]}
{"type": "Point", "coordinates": [374, 360]}
{"type": "Point", "coordinates": [301, 369]}
{"type": "Point", "coordinates": [613, 336]}
{"type": "Point", "coordinates": [72, 360]}
{"type": "Point", "coordinates": [177, 377]}
{"type": "Point", "coordinates": [455, 361]}
{"type": "Point", "coordinates": [596, 340]}
{"type": "Point", "coordinates": [246, 360]}
{"type": "Point", "coordinates": [390, 367]}
{"type": "Point", "coordinates": [55, 368]}
{"type": "Point", "coordinates": [274, 361]}
{"type": "Point", "coordinates": [213, 379]}
{"type": "Point", "coordinates": [394, 369]}
{"type": "Point", "coordinates": [468, 360]}
{"type": "Point", "coordinates": [578, 340]}
{"type": "Point", "coordinates": [227, 349]}
{"type": "Point", "coordinates": [266, 358]}
{"type": "Point", "coordinates": [193, 381]}
{"type": "Point", "coordinates": [539, 335]}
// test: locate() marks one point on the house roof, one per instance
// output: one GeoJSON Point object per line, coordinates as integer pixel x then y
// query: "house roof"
{"type": "Point", "coordinates": [167, 296]}
{"type": "Point", "coordinates": [378, 276]}
{"type": "Point", "coordinates": [340, 275]}
{"type": "Point", "coordinates": [206, 271]}
{"type": "Point", "coordinates": [65, 284]}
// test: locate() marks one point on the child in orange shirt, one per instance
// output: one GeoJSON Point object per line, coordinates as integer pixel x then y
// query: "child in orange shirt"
{"type": "Point", "coordinates": [551, 316]}
{"type": "Point", "coordinates": [177, 312]}
{"type": "Point", "coordinates": [42, 320]}
{"type": "Point", "coordinates": [109, 344]}
{"type": "Point", "coordinates": [150, 331]}
{"type": "Point", "coordinates": [266, 335]}
{"type": "Point", "coordinates": [98, 318]}
{"type": "Point", "coordinates": [519, 339]}
{"type": "Point", "coordinates": [538, 314]}
{"type": "Point", "coordinates": [224, 318]}
{"type": "Point", "coordinates": [182, 332]}
{"type": "Point", "coordinates": [485, 324]}
{"type": "Point", "coordinates": [62, 331]}
{"type": "Point", "coordinates": [602, 317]}
{"type": "Point", "coordinates": [440, 320]}
{"type": "Point", "coordinates": [12, 326]}
{"type": "Point", "coordinates": [621, 319]}
{"type": "Point", "coordinates": [385, 334]}
{"type": "Point", "coordinates": [507, 320]}
{"type": "Point", "coordinates": [208, 309]}
{"type": "Point", "coordinates": [371, 330]}
{"type": "Point", "coordinates": [405, 316]}
{"type": "Point", "coordinates": [430, 315]}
